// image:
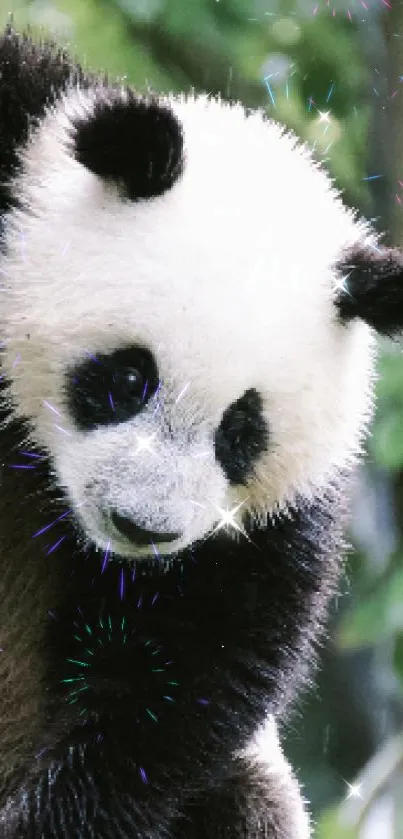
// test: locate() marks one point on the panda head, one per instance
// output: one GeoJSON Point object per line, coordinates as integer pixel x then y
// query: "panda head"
{"type": "Point", "coordinates": [185, 312]}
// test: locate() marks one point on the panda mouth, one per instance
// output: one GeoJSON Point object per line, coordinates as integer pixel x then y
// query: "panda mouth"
{"type": "Point", "coordinates": [140, 536]}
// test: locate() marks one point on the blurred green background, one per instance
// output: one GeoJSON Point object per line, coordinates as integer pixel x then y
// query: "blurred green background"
{"type": "Point", "coordinates": [333, 71]}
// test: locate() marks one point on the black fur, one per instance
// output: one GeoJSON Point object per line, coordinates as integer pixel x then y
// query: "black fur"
{"type": "Point", "coordinates": [243, 806]}
{"type": "Point", "coordinates": [192, 658]}
{"type": "Point", "coordinates": [241, 437]}
{"type": "Point", "coordinates": [373, 288]}
{"type": "Point", "coordinates": [30, 79]}
{"type": "Point", "coordinates": [136, 142]}
{"type": "Point", "coordinates": [110, 388]}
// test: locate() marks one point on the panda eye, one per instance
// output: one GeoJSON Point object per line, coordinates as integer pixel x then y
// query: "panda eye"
{"type": "Point", "coordinates": [242, 436]}
{"type": "Point", "coordinates": [129, 382]}
{"type": "Point", "coordinates": [110, 388]}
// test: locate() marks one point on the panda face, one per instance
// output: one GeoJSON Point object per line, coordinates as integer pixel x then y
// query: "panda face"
{"type": "Point", "coordinates": [181, 356]}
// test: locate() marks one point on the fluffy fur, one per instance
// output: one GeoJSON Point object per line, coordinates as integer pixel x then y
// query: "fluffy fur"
{"type": "Point", "coordinates": [185, 321]}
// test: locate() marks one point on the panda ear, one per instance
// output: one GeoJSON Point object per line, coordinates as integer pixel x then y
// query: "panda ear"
{"type": "Point", "coordinates": [134, 141]}
{"type": "Point", "coordinates": [371, 288]}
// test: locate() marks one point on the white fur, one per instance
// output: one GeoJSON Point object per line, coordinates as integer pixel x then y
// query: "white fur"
{"type": "Point", "coordinates": [264, 750]}
{"type": "Point", "coordinates": [227, 278]}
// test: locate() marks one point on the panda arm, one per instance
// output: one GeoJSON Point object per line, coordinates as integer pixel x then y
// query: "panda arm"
{"type": "Point", "coordinates": [241, 631]}
{"type": "Point", "coordinates": [260, 799]}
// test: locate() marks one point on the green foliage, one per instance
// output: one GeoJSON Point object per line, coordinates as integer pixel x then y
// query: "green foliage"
{"type": "Point", "coordinates": [386, 443]}
{"type": "Point", "coordinates": [329, 827]}
{"type": "Point", "coordinates": [398, 654]}
{"type": "Point", "coordinates": [95, 34]}
{"type": "Point", "coordinates": [378, 616]}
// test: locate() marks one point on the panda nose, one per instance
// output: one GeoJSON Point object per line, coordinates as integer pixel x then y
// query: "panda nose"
{"type": "Point", "coordinates": [139, 535]}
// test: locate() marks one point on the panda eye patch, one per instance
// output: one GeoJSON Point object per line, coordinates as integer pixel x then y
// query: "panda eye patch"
{"type": "Point", "coordinates": [241, 437]}
{"type": "Point", "coordinates": [108, 389]}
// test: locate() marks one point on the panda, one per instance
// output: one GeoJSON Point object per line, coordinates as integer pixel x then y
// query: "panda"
{"type": "Point", "coordinates": [188, 343]}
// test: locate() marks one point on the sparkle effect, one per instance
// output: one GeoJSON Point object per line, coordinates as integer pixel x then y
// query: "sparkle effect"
{"type": "Point", "coordinates": [354, 790]}
{"type": "Point", "coordinates": [228, 519]}
{"type": "Point", "coordinates": [324, 116]}
{"type": "Point", "coordinates": [335, 8]}
{"type": "Point", "coordinates": [100, 670]}
{"type": "Point", "coordinates": [144, 444]}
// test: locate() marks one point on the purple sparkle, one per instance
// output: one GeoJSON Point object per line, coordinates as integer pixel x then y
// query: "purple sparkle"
{"type": "Point", "coordinates": [45, 749]}
{"type": "Point", "coordinates": [31, 454]}
{"type": "Point", "coordinates": [155, 550]}
{"type": "Point", "coordinates": [55, 546]}
{"type": "Point", "coordinates": [65, 249]}
{"type": "Point", "coordinates": [21, 466]}
{"type": "Point", "coordinates": [105, 559]}
{"type": "Point", "coordinates": [48, 526]}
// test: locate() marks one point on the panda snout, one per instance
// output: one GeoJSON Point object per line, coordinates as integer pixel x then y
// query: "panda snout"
{"type": "Point", "coordinates": [140, 536]}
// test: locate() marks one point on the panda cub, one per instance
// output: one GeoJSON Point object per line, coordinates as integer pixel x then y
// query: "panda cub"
{"type": "Point", "coordinates": [188, 318]}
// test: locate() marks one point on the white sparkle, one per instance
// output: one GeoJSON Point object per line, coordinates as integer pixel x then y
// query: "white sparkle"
{"type": "Point", "coordinates": [183, 391]}
{"type": "Point", "coordinates": [228, 518]}
{"type": "Point", "coordinates": [324, 116]}
{"type": "Point", "coordinates": [341, 284]}
{"type": "Point", "coordinates": [145, 443]}
{"type": "Point", "coordinates": [51, 407]}
{"type": "Point", "coordinates": [197, 503]}
{"type": "Point", "coordinates": [355, 791]}
{"type": "Point", "coordinates": [64, 430]}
